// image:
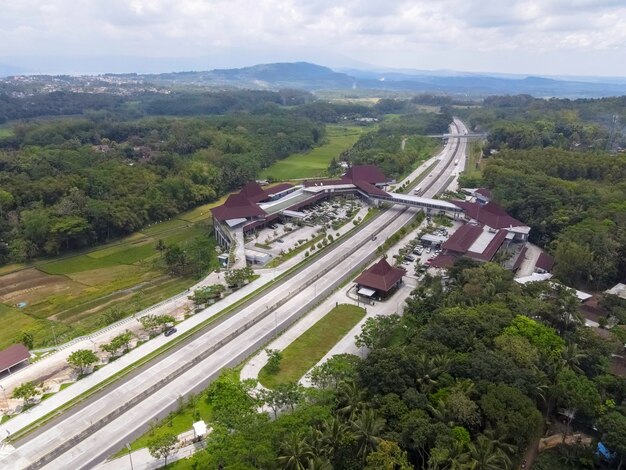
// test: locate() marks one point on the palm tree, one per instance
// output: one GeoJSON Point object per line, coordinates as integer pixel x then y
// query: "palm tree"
{"type": "Point", "coordinates": [367, 428]}
{"type": "Point", "coordinates": [484, 455]}
{"type": "Point", "coordinates": [334, 432]}
{"type": "Point", "coordinates": [295, 453]}
{"type": "Point", "coordinates": [315, 441]}
{"type": "Point", "coordinates": [428, 369]}
{"type": "Point", "coordinates": [571, 356]}
{"type": "Point", "coordinates": [351, 398]}
{"type": "Point", "coordinates": [319, 463]}
{"type": "Point", "coordinates": [442, 413]}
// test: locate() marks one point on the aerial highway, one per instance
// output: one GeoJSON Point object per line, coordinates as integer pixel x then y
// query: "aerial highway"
{"type": "Point", "coordinates": [106, 421]}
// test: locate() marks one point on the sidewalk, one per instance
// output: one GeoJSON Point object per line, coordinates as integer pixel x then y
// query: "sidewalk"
{"type": "Point", "coordinates": [142, 460]}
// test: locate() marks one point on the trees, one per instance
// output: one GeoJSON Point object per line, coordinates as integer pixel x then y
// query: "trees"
{"type": "Point", "coordinates": [576, 393]}
{"type": "Point", "coordinates": [367, 428]}
{"type": "Point", "coordinates": [388, 456]}
{"type": "Point", "coordinates": [120, 342]}
{"type": "Point", "coordinates": [376, 331]}
{"type": "Point", "coordinates": [274, 356]}
{"type": "Point", "coordinates": [203, 295]}
{"type": "Point", "coordinates": [26, 391]}
{"type": "Point", "coordinates": [295, 453]}
{"type": "Point", "coordinates": [82, 359]}
{"type": "Point", "coordinates": [152, 323]}
{"type": "Point", "coordinates": [161, 447]}
{"type": "Point", "coordinates": [238, 277]}
{"type": "Point", "coordinates": [613, 427]}
{"type": "Point", "coordinates": [27, 339]}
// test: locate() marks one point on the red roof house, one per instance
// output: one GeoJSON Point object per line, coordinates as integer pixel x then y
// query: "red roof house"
{"type": "Point", "coordinates": [237, 206]}
{"type": "Point", "coordinates": [253, 192]}
{"type": "Point", "coordinates": [381, 278]}
{"type": "Point", "coordinates": [12, 356]}
{"type": "Point", "coordinates": [368, 173]}
{"type": "Point", "coordinates": [544, 263]}
{"type": "Point", "coordinates": [461, 240]}
{"type": "Point", "coordinates": [490, 214]}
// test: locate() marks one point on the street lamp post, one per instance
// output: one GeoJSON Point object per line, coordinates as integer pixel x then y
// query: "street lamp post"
{"type": "Point", "coordinates": [55, 336]}
{"type": "Point", "coordinates": [4, 392]}
{"type": "Point", "coordinates": [130, 456]}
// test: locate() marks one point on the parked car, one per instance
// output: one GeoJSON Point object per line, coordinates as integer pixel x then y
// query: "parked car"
{"type": "Point", "coordinates": [170, 331]}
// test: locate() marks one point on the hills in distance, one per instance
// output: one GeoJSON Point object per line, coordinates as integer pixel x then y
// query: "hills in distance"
{"type": "Point", "coordinates": [311, 77]}
{"type": "Point", "coordinates": [308, 76]}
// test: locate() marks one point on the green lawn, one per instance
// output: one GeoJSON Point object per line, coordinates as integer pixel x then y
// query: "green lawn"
{"type": "Point", "coordinates": [177, 423]}
{"type": "Point", "coordinates": [315, 162]}
{"type": "Point", "coordinates": [308, 349]}
{"type": "Point", "coordinates": [13, 322]}
{"type": "Point", "coordinates": [5, 132]}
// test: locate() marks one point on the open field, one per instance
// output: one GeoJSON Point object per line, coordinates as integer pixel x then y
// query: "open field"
{"type": "Point", "coordinates": [315, 162]}
{"type": "Point", "coordinates": [5, 132]}
{"type": "Point", "coordinates": [83, 292]}
{"type": "Point", "coordinates": [308, 349]}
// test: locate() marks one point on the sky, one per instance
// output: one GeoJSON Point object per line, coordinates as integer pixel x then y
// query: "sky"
{"type": "Point", "coordinates": [540, 37]}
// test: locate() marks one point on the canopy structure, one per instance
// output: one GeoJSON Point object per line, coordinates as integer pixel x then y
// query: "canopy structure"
{"type": "Point", "coordinates": [200, 428]}
{"type": "Point", "coordinates": [365, 292]}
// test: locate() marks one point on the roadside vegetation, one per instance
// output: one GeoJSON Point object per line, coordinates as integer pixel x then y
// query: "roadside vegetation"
{"type": "Point", "coordinates": [311, 346]}
{"type": "Point", "coordinates": [470, 374]}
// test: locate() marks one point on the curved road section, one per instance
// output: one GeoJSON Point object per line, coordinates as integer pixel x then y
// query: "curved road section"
{"type": "Point", "coordinates": [83, 439]}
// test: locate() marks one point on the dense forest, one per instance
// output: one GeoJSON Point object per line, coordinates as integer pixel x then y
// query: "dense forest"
{"type": "Point", "coordinates": [70, 183]}
{"type": "Point", "coordinates": [383, 147]}
{"type": "Point", "coordinates": [467, 378]}
{"type": "Point", "coordinates": [548, 164]}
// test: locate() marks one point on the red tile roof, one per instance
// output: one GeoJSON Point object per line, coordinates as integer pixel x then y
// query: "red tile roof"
{"type": "Point", "coordinates": [484, 192]}
{"type": "Point", "coordinates": [12, 356]}
{"type": "Point", "coordinates": [490, 214]}
{"type": "Point", "coordinates": [237, 206]}
{"type": "Point", "coordinates": [461, 240]}
{"type": "Point", "coordinates": [368, 173]}
{"type": "Point", "coordinates": [253, 192]}
{"type": "Point", "coordinates": [381, 276]}
{"type": "Point", "coordinates": [369, 189]}
{"type": "Point", "coordinates": [492, 247]}
{"type": "Point", "coordinates": [278, 188]}
{"type": "Point", "coordinates": [545, 262]}
{"type": "Point", "coordinates": [443, 261]}
{"type": "Point", "coordinates": [310, 183]}
{"type": "Point", "coordinates": [520, 258]}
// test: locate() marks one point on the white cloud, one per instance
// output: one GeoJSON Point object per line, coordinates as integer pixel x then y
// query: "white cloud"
{"type": "Point", "coordinates": [498, 35]}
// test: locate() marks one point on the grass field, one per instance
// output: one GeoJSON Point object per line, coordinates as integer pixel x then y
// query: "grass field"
{"type": "Point", "coordinates": [5, 132]}
{"type": "Point", "coordinates": [308, 349]}
{"type": "Point", "coordinates": [74, 293]}
{"type": "Point", "coordinates": [315, 162]}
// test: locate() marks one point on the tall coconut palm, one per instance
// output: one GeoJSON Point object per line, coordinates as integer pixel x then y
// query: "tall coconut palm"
{"type": "Point", "coordinates": [571, 356]}
{"type": "Point", "coordinates": [367, 428]}
{"type": "Point", "coordinates": [319, 463]}
{"type": "Point", "coordinates": [483, 454]}
{"type": "Point", "coordinates": [295, 453]}
{"type": "Point", "coordinates": [315, 440]}
{"type": "Point", "coordinates": [351, 398]}
{"type": "Point", "coordinates": [334, 432]}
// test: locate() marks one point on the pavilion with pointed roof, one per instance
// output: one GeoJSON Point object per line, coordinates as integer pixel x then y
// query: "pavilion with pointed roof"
{"type": "Point", "coordinates": [379, 280]}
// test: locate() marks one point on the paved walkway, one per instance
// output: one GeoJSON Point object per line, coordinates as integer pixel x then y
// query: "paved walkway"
{"type": "Point", "coordinates": [142, 460]}
{"type": "Point", "coordinates": [530, 260]}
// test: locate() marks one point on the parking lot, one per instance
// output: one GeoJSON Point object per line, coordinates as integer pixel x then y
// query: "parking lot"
{"type": "Point", "coordinates": [280, 237]}
{"type": "Point", "coordinates": [415, 254]}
